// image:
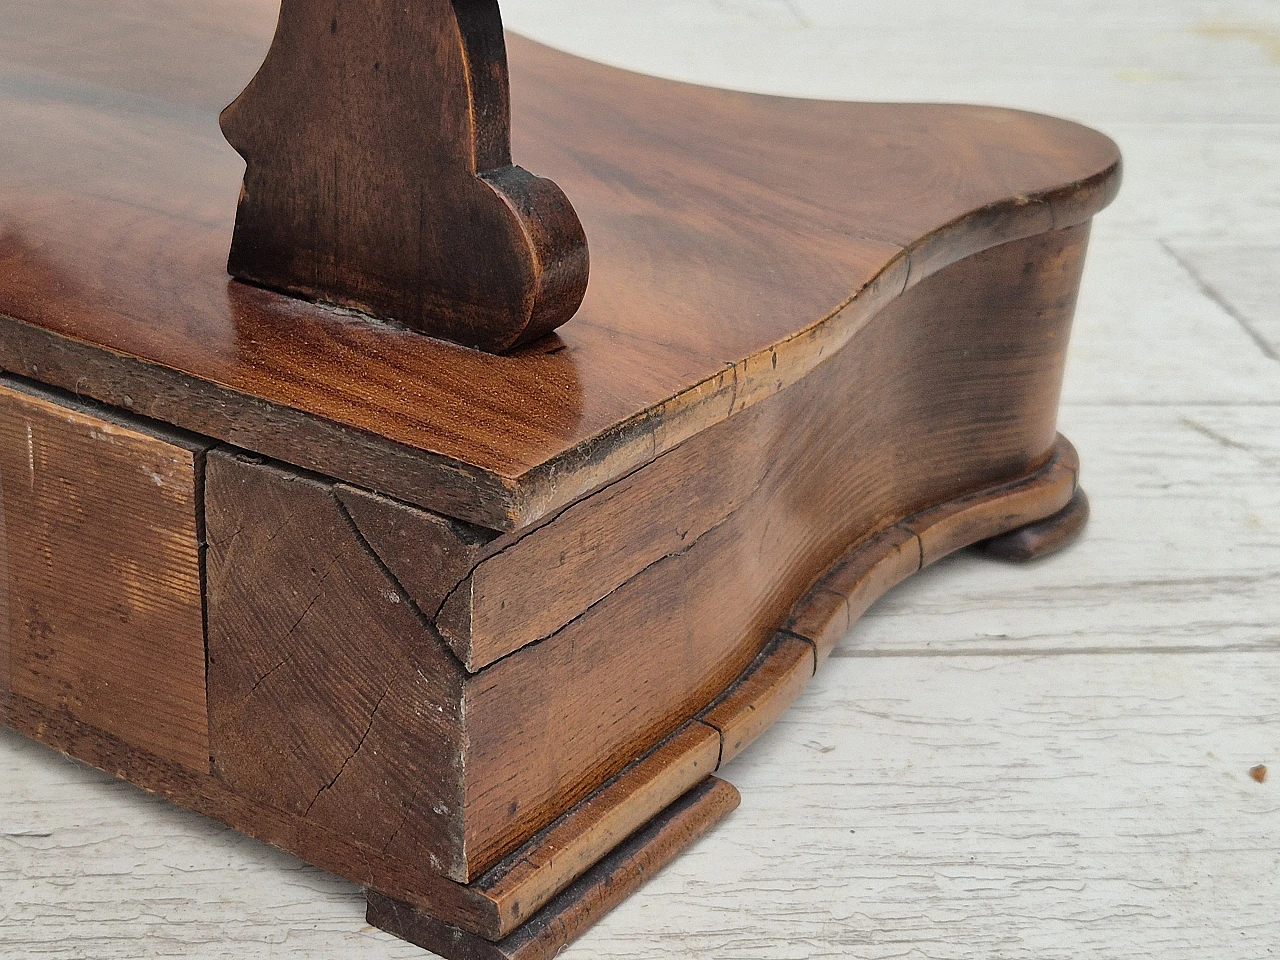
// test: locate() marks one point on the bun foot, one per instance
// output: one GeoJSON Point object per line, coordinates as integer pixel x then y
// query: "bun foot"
{"type": "Point", "coordinates": [1043, 537]}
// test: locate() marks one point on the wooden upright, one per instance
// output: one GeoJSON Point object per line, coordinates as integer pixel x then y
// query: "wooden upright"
{"type": "Point", "coordinates": [378, 141]}
{"type": "Point", "coordinates": [476, 630]}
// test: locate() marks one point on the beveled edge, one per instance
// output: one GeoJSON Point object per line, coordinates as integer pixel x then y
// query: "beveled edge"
{"type": "Point", "coordinates": [576, 909]}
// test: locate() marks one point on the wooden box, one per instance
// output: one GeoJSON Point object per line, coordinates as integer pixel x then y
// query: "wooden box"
{"type": "Point", "coordinates": [475, 631]}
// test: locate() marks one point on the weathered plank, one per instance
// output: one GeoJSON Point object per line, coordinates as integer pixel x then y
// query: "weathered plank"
{"type": "Point", "coordinates": [101, 615]}
{"type": "Point", "coordinates": [329, 697]}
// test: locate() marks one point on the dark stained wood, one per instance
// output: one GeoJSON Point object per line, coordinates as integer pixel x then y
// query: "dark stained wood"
{"type": "Point", "coordinates": [505, 897]}
{"type": "Point", "coordinates": [719, 274]}
{"type": "Point", "coordinates": [336, 706]}
{"type": "Point", "coordinates": [378, 143]}
{"type": "Point", "coordinates": [102, 610]}
{"type": "Point", "coordinates": [574, 911]}
{"type": "Point", "coordinates": [329, 696]}
{"type": "Point", "coordinates": [1042, 538]}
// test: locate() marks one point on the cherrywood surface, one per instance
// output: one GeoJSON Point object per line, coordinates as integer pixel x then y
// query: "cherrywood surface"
{"type": "Point", "coordinates": [378, 142]}
{"type": "Point", "coordinates": [100, 572]}
{"type": "Point", "coordinates": [720, 274]}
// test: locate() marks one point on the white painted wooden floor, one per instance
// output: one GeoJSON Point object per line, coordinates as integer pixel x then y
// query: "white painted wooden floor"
{"type": "Point", "coordinates": [1041, 762]}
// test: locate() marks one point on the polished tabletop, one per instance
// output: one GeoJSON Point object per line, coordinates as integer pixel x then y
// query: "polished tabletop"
{"type": "Point", "coordinates": [736, 240]}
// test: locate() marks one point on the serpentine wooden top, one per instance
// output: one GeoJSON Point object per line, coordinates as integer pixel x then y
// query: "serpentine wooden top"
{"type": "Point", "coordinates": [736, 240]}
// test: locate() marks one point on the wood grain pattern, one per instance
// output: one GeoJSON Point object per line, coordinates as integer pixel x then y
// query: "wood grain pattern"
{"type": "Point", "coordinates": [499, 608]}
{"type": "Point", "coordinates": [832, 460]}
{"type": "Point", "coordinates": [378, 143]}
{"type": "Point", "coordinates": [775, 258]}
{"type": "Point", "coordinates": [429, 555]}
{"type": "Point", "coordinates": [963, 522]}
{"type": "Point", "coordinates": [329, 697]}
{"type": "Point", "coordinates": [101, 586]}
{"type": "Point", "coordinates": [581, 906]}
{"type": "Point", "coordinates": [415, 881]}
{"type": "Point", "coordinates": [863, 576]}
{"type": "Point", "coordinates": [1149, 678]}
{"type": "Point", "coordinates": [763, 694]}
{"type": "Point", "coordinates": [873, 567]}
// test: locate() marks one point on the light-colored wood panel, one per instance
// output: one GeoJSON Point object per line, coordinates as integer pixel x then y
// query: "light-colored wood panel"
{"type": "Point", "coordinates": [103, 582]}
{"type": "Point", "coordinates": [1149, 342]}
{"type": "Point", "coordinates": [1242, 280]}
{"type": "Point", "coordinates": [1167, 63]}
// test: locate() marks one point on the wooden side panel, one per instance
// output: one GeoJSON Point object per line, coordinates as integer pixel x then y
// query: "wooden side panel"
{"type": "Point", "coordinates": [544, 866]}
{"type": "Point", "coordinates": [581, 557]}
{"type": "Point", "coordinates": [330, 697]}
{"type": "Point", "coordinates": [573, 911]}
{"type": "Point", "coordinates": [100, 596]}
{"type": "Point", "coordinates": [954, 388]}
{"type": "Point", "coordinates": [851, 586]}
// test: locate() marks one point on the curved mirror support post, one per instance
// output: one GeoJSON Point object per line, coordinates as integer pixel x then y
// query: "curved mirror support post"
{"type": "Point", "coordinates": [379, 175]}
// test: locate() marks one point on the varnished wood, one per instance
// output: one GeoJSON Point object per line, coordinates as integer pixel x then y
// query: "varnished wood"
{"type": "Point", "coordinates": [1043, 538]}
{"type": "Point", "coordinates": [753, 267]}
{"type": "Point", "coordinates": [378, 142]}
{"type": "Point", "coordinates": [339, 693]}
{"type": "Point", "coordinates": [100, 572]}
{"type": "Point", "coordinates": [975, 351]}
{"type": "Point", "coordinates": [578, 908]}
